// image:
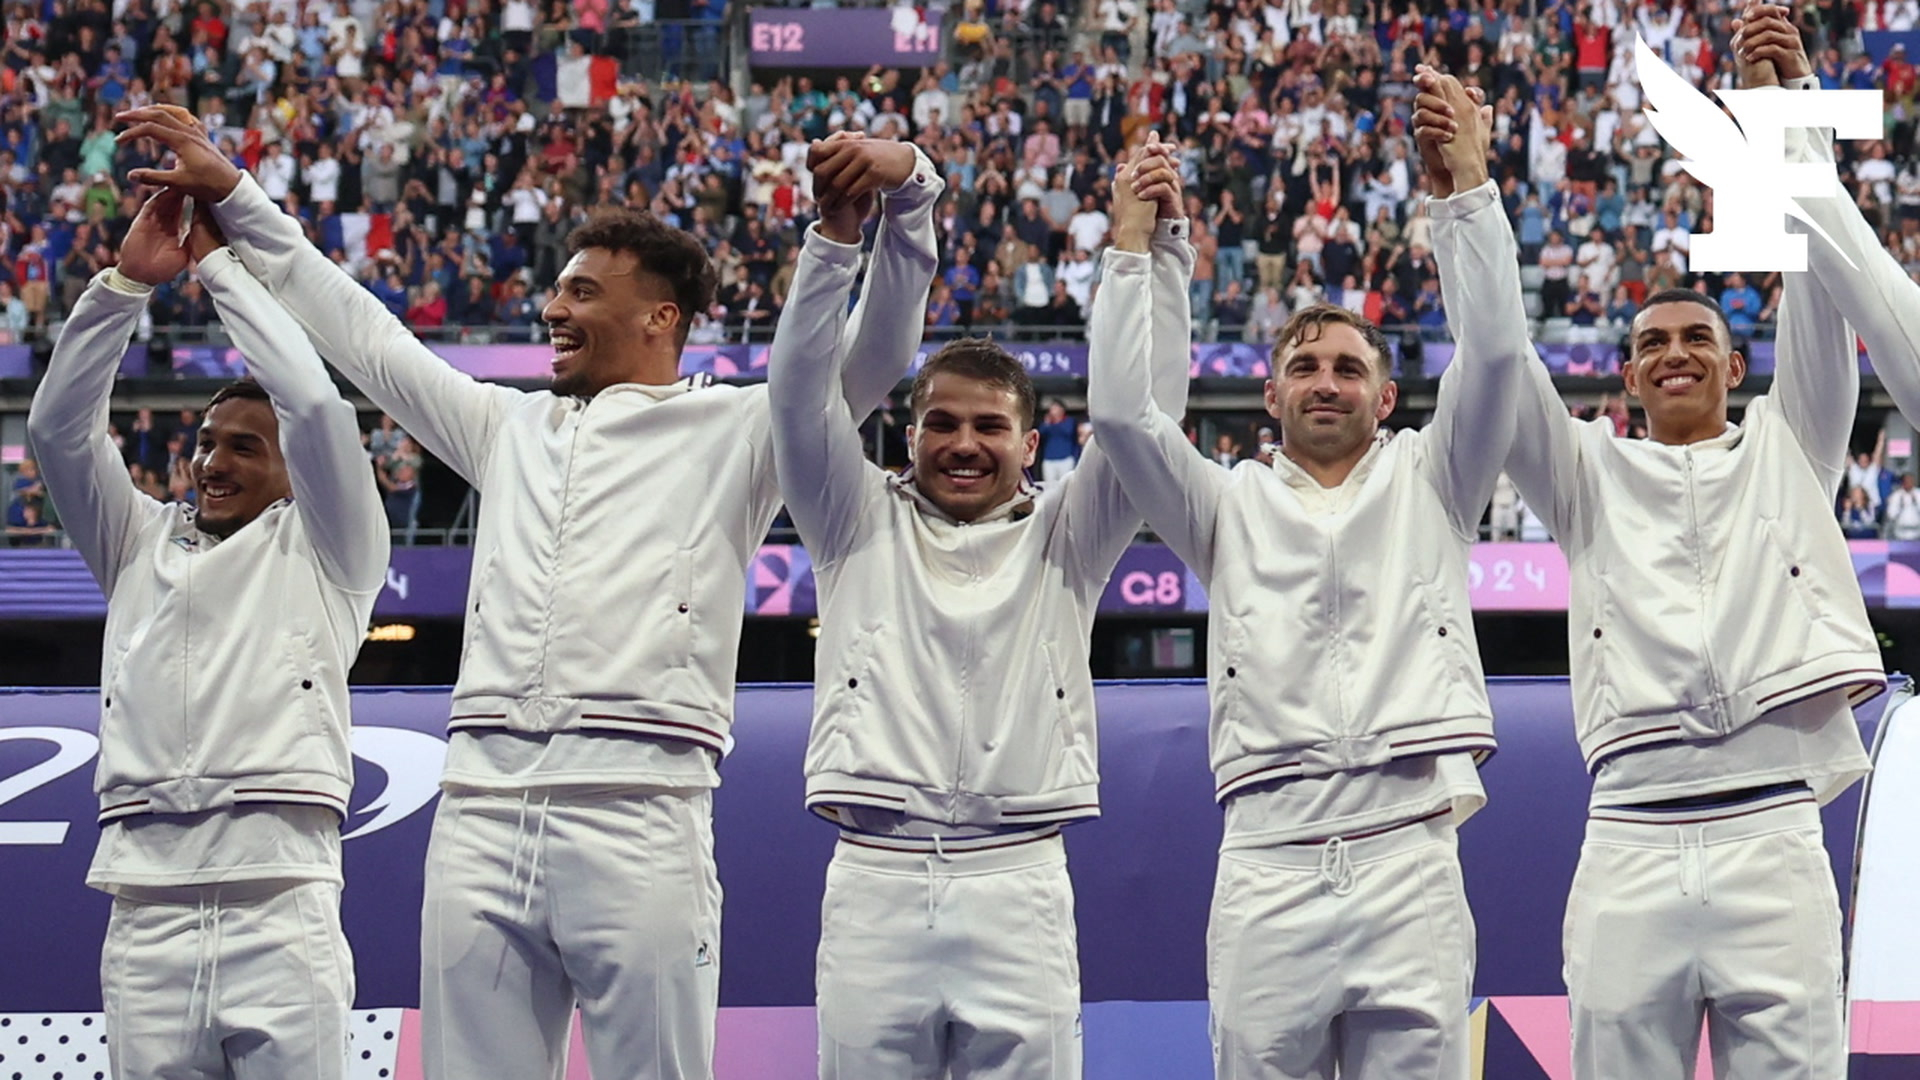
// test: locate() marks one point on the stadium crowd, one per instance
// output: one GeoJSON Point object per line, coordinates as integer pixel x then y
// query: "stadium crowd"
{"type": "Point", "coordinates": [443, 150]}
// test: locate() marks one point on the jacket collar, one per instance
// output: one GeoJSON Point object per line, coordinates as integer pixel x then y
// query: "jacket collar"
{"type": "Point", "coordinates": [699, 380]}
{"type": "Point", "coordinates": [1015, 508]}
{"type": "Point", "coordinates": [1297, 477]}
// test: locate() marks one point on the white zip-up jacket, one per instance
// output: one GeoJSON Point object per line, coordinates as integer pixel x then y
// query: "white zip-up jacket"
{"type": "Point", "coordinates": [609, 568]}
{"type": "Point", "coordinates": [224, 679]}
{"type": "Point", "coordinates": [952, 682]}
{"type": "Point", "coordinates": [1340, 634]}
{"type": "Point", "coordinates": [1710, 582]}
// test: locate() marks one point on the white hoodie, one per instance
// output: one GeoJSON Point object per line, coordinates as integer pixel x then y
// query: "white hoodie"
{"type": "Point", "coordinates": [609, 570]}
{"type": "Point", "coordinates": [1340, 634]}
{"type": "Point", "coordinates": [224, 679]}
{"type": "Point", "coordinates": [1710, 582]}
{"type": "Point", "coordinates": [952, 681]}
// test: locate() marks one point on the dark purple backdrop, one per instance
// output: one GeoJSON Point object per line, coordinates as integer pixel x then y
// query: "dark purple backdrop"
{"type": "Point", "coordinates": [1143, 872]}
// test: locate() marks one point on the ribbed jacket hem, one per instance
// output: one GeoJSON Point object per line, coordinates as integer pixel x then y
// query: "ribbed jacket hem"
{"type": "Point", "coordinates": [1061, 807]}
{"type": "Point", "coordinates": [1472, 735]}
{"type": "Point", "coordinates": [1860, 674]}
{"type": "Point", "coordinates": [191, 795]}
{"type": "Point", "coordinates": [546, 715]}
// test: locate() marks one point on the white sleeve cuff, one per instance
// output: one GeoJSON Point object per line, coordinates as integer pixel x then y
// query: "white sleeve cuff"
{"type": "Point", "coordinates": [113, 279]}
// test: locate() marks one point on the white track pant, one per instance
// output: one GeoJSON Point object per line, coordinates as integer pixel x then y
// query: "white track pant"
{"type": "Point", "coordinates": [228, 982]}
{"type": "Point", "coordinates": [536, 904]}
{"type": "Point", "coordinates": [1352, 958]}
{"type": "Point", "coordinates": [963, 965]}
{"type": "Point", "coordinates": [1727, 916]}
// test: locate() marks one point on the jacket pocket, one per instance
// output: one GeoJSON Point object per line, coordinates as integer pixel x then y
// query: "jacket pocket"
{"type": "Point", "coordinates": [304, 679]}
{"type": "Point", "coordinates": [1227, 672]}
{"type": "Point", "coordinates": [1591, 655]}
{"type": "Point", "coordinates": [685, 611]}
{"type": "Point", "coordinates": [477, 613]}
{"type": "Point", "coordinates": [841, 701]}
{"type": "Point", "coordinates": [1786, 569]}
{"type": "Point", "coordinates": [1448, 634]}
{"type": "Point", "coordinates": [1061, 737]}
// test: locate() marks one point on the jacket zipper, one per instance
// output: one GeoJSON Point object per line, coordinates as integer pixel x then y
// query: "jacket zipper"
{"type": "Point", "coordinates": [559, 547]}
{"type": "Point", "coordinates": [1700, 575]}
{"type": "Point", "coordinates": [964, 744]}
{"type": "Point", "coordinates": [187, 671]}
{"type": "Point", "coordinates": [1338, 622]}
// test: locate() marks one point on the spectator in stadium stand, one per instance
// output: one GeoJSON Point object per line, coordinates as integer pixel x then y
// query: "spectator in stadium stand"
{"type": "Point", "coordinates": [943, 313]}
{"type": "Point", "coordinates": [13, 314]}
{"type": "Point", "coordinates": [1266, 316]}
{"type": "Point", "coordinates": [517, 312]}
{"type": "Point", "coordinates": [1556, 265]}
{"type": "Point", "coordinates": [1064, 310]}
{"type": "Point", "coordinates": [1230, 310]}
{"type": "Point", "coordinates": [1857, 518]}
{"type": "Point", "coordinates": [28, 489]}
{"type": "Point", "coordinates": [1903, 511]}
{"type": "Point", "coordinates": [1059, 442]}
{"type": "Point", "coordinates": [1742, 303]}
{"type": "Point", "coordinates": [429, 308]}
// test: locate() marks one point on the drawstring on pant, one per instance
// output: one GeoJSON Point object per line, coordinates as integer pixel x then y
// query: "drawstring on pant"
{"type": "Point", "coordinates": [533, 852]}
{"type": "Point", "coordinates": [1693, 862]}
{"type": "Point", "coordinates": [940, 853]}
{"type": "Point", "coordinates": [1336, 868]}
{"type": "Point", "coordinates": [207, 956]}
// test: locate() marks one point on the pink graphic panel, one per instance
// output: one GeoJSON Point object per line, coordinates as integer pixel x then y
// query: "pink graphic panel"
{"type": "Point", "coordinates": [1517, 577]}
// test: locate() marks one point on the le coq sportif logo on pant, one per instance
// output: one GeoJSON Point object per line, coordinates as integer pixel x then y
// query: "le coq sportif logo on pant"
{"type": "Point", "coordinates": [1743, 158]}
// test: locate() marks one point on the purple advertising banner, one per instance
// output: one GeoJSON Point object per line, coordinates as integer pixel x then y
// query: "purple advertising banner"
{"type": "Point", "coordinates": [1143, 872]}
{"type": "Point", "coordinates": [1057, 360]}
{"type": "Point", "coordinates": [16, 361]}
{"type": "Point", "coordinates": [850, 37]}
{"type": "Point", "coordinates": [431, 582]}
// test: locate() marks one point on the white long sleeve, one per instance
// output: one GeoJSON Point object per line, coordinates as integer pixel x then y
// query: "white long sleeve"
{"type": "Point", "coordinates": [100, 508]}
{"type": "Point", "coordinates": [451, 414]}
{"type": "Point", "coordinates": [1877, 299]}
{"type": "Point", "coordinates": [1467, 442]}
{"type": "Point", "coordinates": [1101, 519]}
{"type": "Point", "coordinates": [890, 318]}
{"type": "Point", "coordinates": [816, 442]}
{"type": "Point", "coordinates": [1169, 483]}
{"type": "Point", "coordinates": [334, 490]}
{"type": "Point", "coordinates": [1474, 250]}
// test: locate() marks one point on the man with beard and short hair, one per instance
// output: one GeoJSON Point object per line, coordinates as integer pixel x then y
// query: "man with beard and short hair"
{"type": "Point", "coordinates": [953, 730]}
{"type": "Point", "coordinates": [225, 762]}
{"type": "Point", "coordinates": [572, 853]}
{"type": "Point", "coordinates": [1348, 706]}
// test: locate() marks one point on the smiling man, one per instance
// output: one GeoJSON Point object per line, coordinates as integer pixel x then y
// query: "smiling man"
{"type": "Point", "coordinates": [572, 854]}
{"type": "Point", "coordinates": [224, 756]}
{"type": "Point", "coordinates": [1718, 639]}
{"type": "Point", "coordinates": [953, 728]}
{"type": "Point", "coordinates": [1348, 708]}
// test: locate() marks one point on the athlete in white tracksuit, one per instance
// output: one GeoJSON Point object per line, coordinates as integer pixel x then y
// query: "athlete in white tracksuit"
{"type": "Point", "coordinates": [224, 759]}
{"type": "Point", "coordinates": [572, 856]}
{"type": "Point", "coordinates": [1348, 706]}
{"type": "Point", "coordinates": [1718, 639]}
{"type": "Point", "coordinates": [954, 723]}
